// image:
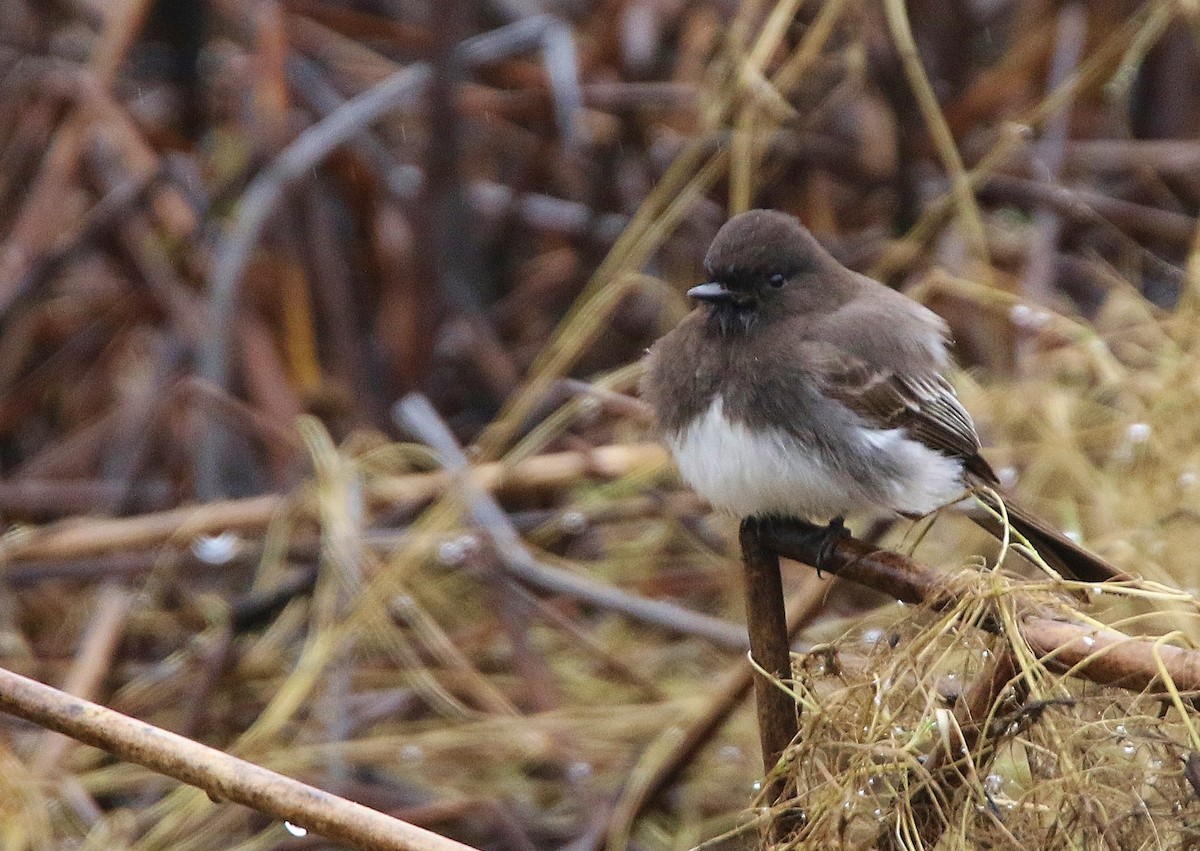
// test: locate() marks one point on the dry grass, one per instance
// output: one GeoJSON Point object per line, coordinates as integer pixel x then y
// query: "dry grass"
{"type": "Point", "coordinates": [1064, 764]}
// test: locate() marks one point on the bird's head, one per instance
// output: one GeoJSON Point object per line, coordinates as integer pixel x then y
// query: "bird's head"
{"type": "Point", "coordinates": [762, 263]}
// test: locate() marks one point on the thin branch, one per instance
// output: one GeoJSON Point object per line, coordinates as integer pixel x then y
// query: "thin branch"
{"type": "Point", "coordinates": [224, 777]}
{"type": "Point", "coordinates": [83, 537]}
{"type": "Point", "coordinates": [767, 623]}
{"type": "Point", "coordinates": [1047, 225]}
{"type": "Point", "coordinates": [649, 780]}
{"type": "Point", "coordinates": [1099, 654]}
{"type": "Point", "coordinates": [939, 130]}
{"type": "Point", "coordinates": [96, 647]}
{"type": "Point", "coordinates": [260, 199]}
{"type": "Point", "coordinates": [415, 414]}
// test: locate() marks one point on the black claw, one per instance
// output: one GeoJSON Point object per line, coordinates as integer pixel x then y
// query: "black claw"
{"type": "Point", "coordinates": [830, 535]}
{"type": "Point", "coordinates": [824, 538]}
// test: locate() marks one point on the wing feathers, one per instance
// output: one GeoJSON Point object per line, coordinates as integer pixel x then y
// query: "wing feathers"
{"type": "Point", "coordinates": [923, 404]}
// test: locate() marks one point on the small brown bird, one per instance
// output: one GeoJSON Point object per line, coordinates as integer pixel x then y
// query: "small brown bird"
{"type": "Point", "coordinates": [801, 388]}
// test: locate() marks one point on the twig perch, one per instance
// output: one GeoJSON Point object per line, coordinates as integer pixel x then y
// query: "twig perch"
{"type": "Point", "coordinates": [224, 777]}
{"type": "Point", "coordinates": [664, 767]}
{"type": "Point", "coordinates": [766, 621]}
{"type": "Point", "coordinates": [1102, 655]}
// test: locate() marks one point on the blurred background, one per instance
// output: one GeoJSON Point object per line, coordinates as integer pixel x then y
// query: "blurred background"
{"type": "Point", "coordinates": [233, 233]}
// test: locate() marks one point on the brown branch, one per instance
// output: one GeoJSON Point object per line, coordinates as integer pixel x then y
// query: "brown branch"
{"type": "Point", "coordinates": [1100, 655]}
{"type": "Point", "coordinates": [81, 537]}
{"type": "Point", "coordinates": [1168, 156]}
{"type": "Point", "coordinates": [1110, 657]}
{"type": "Point", "coordinates": [256, 205]}
{"type": "Point", "coordinates": [415, 414]}
{"type": "Point", "coordinates": [728, 694]}
{"type": "Point", "coordinates": [1090, 207]}
{"type": "Point", "coordinates": [766, 620]}
{"type": "Point", "coordinates": [96, 647]}
{"type": "Point", "coordinates": [224, 777]}
{"type": "Point", "coordinates": [858, 561]}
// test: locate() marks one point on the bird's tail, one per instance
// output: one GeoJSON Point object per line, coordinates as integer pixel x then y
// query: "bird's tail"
{"type": "Point", "coordinates": [1059, 551]}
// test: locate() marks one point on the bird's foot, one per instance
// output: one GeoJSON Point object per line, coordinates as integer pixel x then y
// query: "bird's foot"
{"type": "Point", "coordinates": [830, 534]}
{"type": "Point", "coordinates": [822, 539]}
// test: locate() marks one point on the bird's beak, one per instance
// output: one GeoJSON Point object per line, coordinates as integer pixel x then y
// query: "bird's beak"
{"type": "Point", "coordinates": [713, 291]}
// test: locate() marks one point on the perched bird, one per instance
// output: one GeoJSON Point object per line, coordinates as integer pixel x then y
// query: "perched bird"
{"type": "Point", "coordinates": [800, 388]}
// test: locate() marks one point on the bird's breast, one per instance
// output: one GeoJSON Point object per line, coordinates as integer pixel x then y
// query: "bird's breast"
{"type": "Point", "coordinates": [756, 471]}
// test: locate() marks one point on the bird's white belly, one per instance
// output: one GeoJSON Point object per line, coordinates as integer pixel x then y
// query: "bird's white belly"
{"type": "Point", "coordinates": [758, 472]}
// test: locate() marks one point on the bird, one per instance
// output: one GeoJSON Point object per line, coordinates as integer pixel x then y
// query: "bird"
{"type": "Point", "coordinates": [798, 387]}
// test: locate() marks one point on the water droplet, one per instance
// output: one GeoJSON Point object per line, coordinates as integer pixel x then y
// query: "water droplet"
{"type": "Point", "coordinates": [1187, 480]}
{"type": "Point", "coordinates": [573, 522]}
{"type": "Point", "coordinates": [1073, 534]}
{"type": "Point", "coordinates": [412, 753]}
{"type": "Point", "coordinates": [901, 603]}
{"type": "Point", "coordinates": [1028, 317]}
{"type": "Point", "coordinates": [579, 770]}
{"type": "Point", "coordinates": [1097, 590]}
{"type": "Point", "coordinates": [1089, 641]}
{"type": "Point", "coordinates": [878, 813]}
{"type": "Point", "coordinates": [454, 552]}
{"type": "Point", "coordinates": [730, 753]}
{"type": "Point", "coordinates": [295, 829]}
{"type": "Point", "coordinates": [872, 635]}
{"type": "Point", "coordinates": [1130, 749]}
{"type": "Point", "coordinates": [216, 549]}
{"type": "Point", "coordinates": [993, 782]}
{"type": "Point", "coordinates": [862, 793]}
{"type": "Point", "coordinates": [756, 786]}
{"type": "Point", "coordinates": [1120, 730]}
{"type": "Point", "coordinates": [1007, 475]}
{"type": "Point", "coordinates": [1138, 432]}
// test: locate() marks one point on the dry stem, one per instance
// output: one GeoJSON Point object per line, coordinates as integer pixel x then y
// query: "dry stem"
{"type": "Point", "coordinates": [1099, 654]}
{"type": "Point", "coordinates": [224, 777]}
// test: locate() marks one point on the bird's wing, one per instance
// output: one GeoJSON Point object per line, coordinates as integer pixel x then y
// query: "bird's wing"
{"type": "Point", "coordinates": [923, 403]}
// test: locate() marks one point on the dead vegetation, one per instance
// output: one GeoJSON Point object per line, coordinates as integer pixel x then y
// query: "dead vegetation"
{"type": "Point", "coordinates": [233, 234]}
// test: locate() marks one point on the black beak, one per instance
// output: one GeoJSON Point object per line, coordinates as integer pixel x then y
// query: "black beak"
{"type": "Point", "coordinates": [713, 291]}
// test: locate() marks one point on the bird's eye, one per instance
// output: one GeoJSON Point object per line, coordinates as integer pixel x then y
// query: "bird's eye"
{"type": "Point", "coordinates": [777, 281]}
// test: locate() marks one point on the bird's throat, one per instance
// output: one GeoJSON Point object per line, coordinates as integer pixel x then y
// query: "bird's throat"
{"type": "Point", "coordinates": [728, 318]}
